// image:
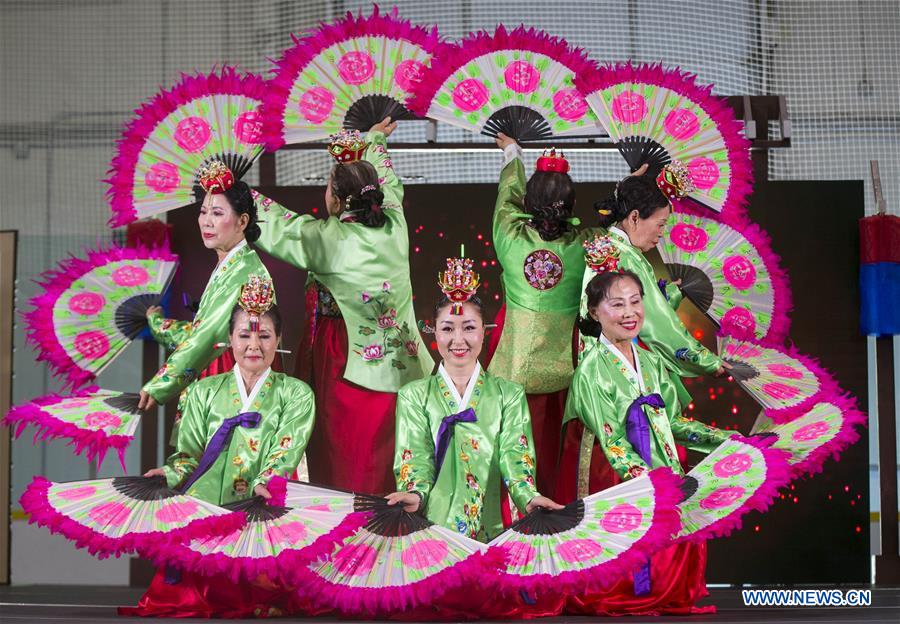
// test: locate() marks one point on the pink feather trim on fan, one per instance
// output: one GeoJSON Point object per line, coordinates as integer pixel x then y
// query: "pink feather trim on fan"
{"type": "Point", "coordinates": [479, 569]}
{"type": "Point", "coordinates": [716, 107]}
{"type": "Point", "coordinates": [95, 444]}
{"type": "Point", "coordinates": [666, 522]}
{"type": "Point", "coordinates": [781, 285]}
{"type": "Point", "coordinates": [295, 59]}
{"type": "Point", "coordinates": [778, 474]}
{"type": "Point", "coordinates": [40, 330]}
{"type": "Point", "coordinates": [278, 569]}
{"type": "Point", "coordinates": [479, 43]}
{"type": "Point", "coordinates": [36, 504]}
{"type": "Point", "coordinates": [828, 391]}
{"type": "Point", "coordinates": [846, 436]}
{"type": "Point", "coordinates": [228, 81]}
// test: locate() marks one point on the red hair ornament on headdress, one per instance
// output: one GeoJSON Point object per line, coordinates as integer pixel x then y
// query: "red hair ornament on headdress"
{"type": "Point", "coordinates": [459, 282]}
{"type": "Point", "coordinates": [601, 255]}
{"type": "Point", "coordinates": [257, 298]}
{"type": "Point", "coordinates": [215, 177]}
{"type": "Point", "coordinates": [552, 162]}
{"type": "Point", "coordinates": [347, 146]}
{"type": "Point", "coordinates": [675, 181]}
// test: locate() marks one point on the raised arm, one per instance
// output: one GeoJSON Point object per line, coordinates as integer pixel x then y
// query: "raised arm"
{"type": "Point", "coordinates": [284, 232]}
{"type": "Point", "coordinates": [378, 156]}
{"type": "Point", "coordinates": [510, 191]}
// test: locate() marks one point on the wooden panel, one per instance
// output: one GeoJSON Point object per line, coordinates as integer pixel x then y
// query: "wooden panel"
{"type": "Point", "coordinates": [7, 305]}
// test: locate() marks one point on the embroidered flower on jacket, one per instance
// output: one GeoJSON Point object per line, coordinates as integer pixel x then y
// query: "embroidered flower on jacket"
{"type": "Point", "coordinates": [410, 486]}
{"type": "Point", "coordinates": [286, 442]}
{"type": "Point", "coordinates": [461, 526]}
{"type": "Point", "coordinates": [240, 486]}
{"type": "Point", "coordinates": [526, 459]}
{"type": "Point", "coordinates": [607, 429]}
{"type": "Point", "coordinates": [463, 456]}
{"type": "Point", "coordinates": [523, 441]}
{"type": "Point", "coordinates": [373, 353]}
{"type": "Point", "coordinates": [237, 461]}
{"type": "Point", "coordinates": [473, 511]}
{"type": "Point", "coordinates": [407, 454]}
{"type": "Point", "coordinates": [474, 443]}
{"type": "Point", "coordinates": [386, 287]}
{"type": "Point", "coordinates": [412, 348]}
{"type": "Point", "coordinates": [404, 471]}
{"type": "Point", "coordinates": [471, 481]}
{"type": "Point", "coordinates": [366, 297]}
{"type": "Point", "coordinates": [635, 471]}
{"type": "Point", "coordinates": [166, 324]}
{"type": "Point", "coordinates": [253, 444]}
{"type": "Point", "coordinates": [386, 321]}
{"type": "Point", "coordinates": [616, 451]}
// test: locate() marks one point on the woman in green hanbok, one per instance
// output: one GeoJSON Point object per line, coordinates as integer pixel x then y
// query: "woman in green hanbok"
{"type": "Point", "coordinates": [539, 247]}
{"type": "Point", "coordinates": [227, 222]}
{"type": "Point", "coordinates": [463, 431]}
{"type": "Point", "coordinates": [361, 330]}
{"type": "Point", "coordinates": [238, 430]}
{"type": "Point", "coordinates": [624, 395]}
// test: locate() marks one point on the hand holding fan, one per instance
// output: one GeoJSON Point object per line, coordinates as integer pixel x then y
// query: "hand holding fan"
{"type": "Point", "coordinates": [784, 382]}
{"type": "Point", "coordinates": [727, 268]}
{"type": "Point", "coordinates": [92, 308]}
{"type": "Point", "coordinates": [397, 561]}
{"type": "Point", "coordinates": [349, 74]}
{"type": "Point", "coordinates": [520, 83]}
{"type": "Point", "coordinates": [94, 420]}
{"type": "Point", "coordinates": [741, 475]}
{"type": "Point", "coordinates": [125, 514]}
{"type": "Point", "coordinates": [202, 120]}
{"type": "Point", "coordinates": [659, 115]}
{"type": "Point", "coordinates": [822, 432]}
{"type": "Point", "coordinates": [593, 541]}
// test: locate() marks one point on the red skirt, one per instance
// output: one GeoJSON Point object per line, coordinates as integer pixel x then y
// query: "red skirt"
{"type": "Point", "coordinates": [352, 442]}
{"type": "Point", "coordinates": [677, 573]}
{"type": "Point", "coordinates": [196, 596]}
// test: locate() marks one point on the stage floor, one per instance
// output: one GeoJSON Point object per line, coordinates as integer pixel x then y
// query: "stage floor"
{"type": "Point", "coordinates": [74, 604]}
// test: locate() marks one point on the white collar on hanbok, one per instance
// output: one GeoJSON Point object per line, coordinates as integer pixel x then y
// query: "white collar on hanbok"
{"type": "Point", "coordinates": [635, 371]}
{"type": "Point", "coordinates": [620, 232]}
{"type": "Point", "coordinates": [462, 402]}
{"type": "Point", "coordinates": [231, 254]}
{"type": "Point", "coordinates": [247, 399]}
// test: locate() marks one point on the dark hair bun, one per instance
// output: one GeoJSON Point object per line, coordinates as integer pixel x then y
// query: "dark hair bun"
{"type": "Point", "coordinates": [550, 197]}
{"type": "Point", "coordinates": [632, 193]}
{"type": "Point", "coordinates": [367, 207]}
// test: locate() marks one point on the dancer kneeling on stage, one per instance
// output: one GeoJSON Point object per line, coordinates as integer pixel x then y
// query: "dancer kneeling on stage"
{"type": "Point", "coordinates": [463, 431]}
{"type": "Point", "coordinates": [238, 430]}
{"type": "Point", "coordinates": [624, 395]}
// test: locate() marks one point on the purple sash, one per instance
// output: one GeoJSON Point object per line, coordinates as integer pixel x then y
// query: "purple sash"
{"type": "Point", "coordinates": [445, 434]}
{"type": "Point", "coordinates": [217, 443]}
{"type": "Point", "coordinates": [637, 432]}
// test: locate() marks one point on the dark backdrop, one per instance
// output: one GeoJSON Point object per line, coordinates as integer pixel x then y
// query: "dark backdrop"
{"type": "Point", "coordinates": [819, 532]}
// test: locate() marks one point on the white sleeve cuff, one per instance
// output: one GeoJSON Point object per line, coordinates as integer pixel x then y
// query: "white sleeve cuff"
{"type": "Point", "coordinates": [510, 153]}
